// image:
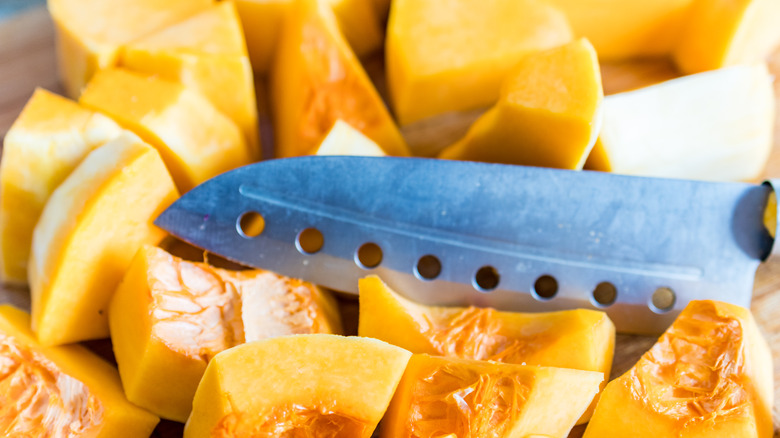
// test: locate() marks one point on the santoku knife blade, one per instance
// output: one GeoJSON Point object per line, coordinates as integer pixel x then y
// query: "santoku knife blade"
{"type": "Point", "coordinates": [511, 237]}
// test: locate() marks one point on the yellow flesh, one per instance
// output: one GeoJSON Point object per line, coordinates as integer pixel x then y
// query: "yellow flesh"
{"type": "Point", "coordinates": [452, 55]}
{"type": "Point", "coordinates": [46, 142]}
{"type": "Point", "coordinates": [343, 383]}
{"type": "Point", "coordinates": [76, 260]}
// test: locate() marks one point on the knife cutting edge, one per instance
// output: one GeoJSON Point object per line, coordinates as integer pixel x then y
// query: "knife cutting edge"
{"type": "Point", "coordinates": [465, 233]}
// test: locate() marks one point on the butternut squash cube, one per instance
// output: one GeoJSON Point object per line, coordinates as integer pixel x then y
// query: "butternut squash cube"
{"type": "Point", "coordinates": [195, 140]}
{"type": "Point", "coordinates": [716, 125]}
{"type": "Point", "coordinates": [89, 230]}
{"type": "Point", "coordinates": [205, 53]}
{"type": "Point", "coordinates": [46, 142]}
{"type": "Point", "coordinates": [90, 33]}
{"type": "Point", "coordinates": [624, 29]}
{"type": "Point", "coordinates": [549, 113]}
{"type": "Point", "coordinates": [343, 386]}
{"type": "Point", "coordinates": [170, 317]}
{"type": "Point", "coordinates": [470, 398]}
{"type": "Point", "coordinates": [316, 80]}
{"type": "Point", "coordinates": [263, 20]}
{"type": "Point", "coordinates": [60, 391]}
{"type": "Point", "coordinates": [444, 57]}
{"type": "Point", "coordinates": [709, 375]}
{"type": "Point", "coordinates": [579, 339]}
{"type": "Point", "coordinates": [343, 139]}
{"type": "Point", "coordinates": [722, 33]}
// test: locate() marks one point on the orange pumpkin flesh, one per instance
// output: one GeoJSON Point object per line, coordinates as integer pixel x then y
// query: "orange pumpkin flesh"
{"type": "Point", "coordinates": [578, 339]}
{"type": "Point", "coordinates": [471, 399]}
{"type": "Point", "coordinates": [342, 388]}
{"type": "Point", "coordinates": [316, 80]}
{"type": "Point", "coordinates": [709, 375]}
{"type": "Point", "coordinates": [169, 317]}
{"type": "Point", "coordinates": [62, 392]}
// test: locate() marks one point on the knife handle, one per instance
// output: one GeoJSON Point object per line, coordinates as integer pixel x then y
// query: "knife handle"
{"type": "Point", "coordinates": [770, 214]}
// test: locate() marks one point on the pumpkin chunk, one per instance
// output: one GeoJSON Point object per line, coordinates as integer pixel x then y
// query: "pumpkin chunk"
{"type": "Point", "coordinates": [343, 387]}
{"type": "Point", "coordinates": [455, 61]}
{"type": "Point", "coordinates": [195, 140]}
{"type": "Point", "coordinates": [206, 53]}
{"type": "Point", "coordinates": [46, 142]}
{"type": "Point", "coordinates": [621, 29]}
{"type": "Point", "coordinates": [343, 139]}
{"type": "Point", "coordinates": [713, 126]}
{"type": "Point", "coordinates": [169, 317]}
{"type": "Point", "coordinates": [709, 375]}
{"type": "Point", "coordinates": [90, 33]}
{"type": "Point", "coordinates": [263, 21]}
{"type": "Point", "coordinates": [728, 32]}
{"type": "Point", "coordinates": [316, 80]}
{"type": "Point", "coordinates": [62, 392]}
{"type": "Point", "coordinates": [91, 227]}
{"type": "Point", "coordinates": [469, 399]}
{"type": "Point", "coordinates": [578, 339]}
{"type": "Point", "coordinates": [549, 113]}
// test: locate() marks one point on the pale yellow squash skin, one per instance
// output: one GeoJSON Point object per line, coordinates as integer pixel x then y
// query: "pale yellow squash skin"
{"type": "Point", "coordinates": [473, 398]}
{"type": "Point", "coordinates": [196, 141]}
{"type": "Point", "coordinates": [120, 418]}
{"type": "Point", "coordinates": [343, 139]}
{"type": "Point", "coordinates": [263, 19]}
{"type": "Point", "coordinates": [579, 339]}
{"type": "Point", "coordinates": [91, 33]}
{"type": "Point", "coordinates": [452, 56]}
{"type": "Point", "coordinates": [549, 113]}
{"type": "Point", "coordinates": [723, 33]}
{"type": "Point", "coordinates": [169, 317]}
{"type": "Point", "coordinates": [349, 378]}
{"type": "Point", "coordinates": [46, 142]}
{"type": "Point", "coordinates": [627, 29]}
{"type": "Point", "coordinates": [709, 375]}
{"type": "Point", "coordinates": [91, 227]}
{"type": "Point", "coordinates": [206, 53]}
{"type": "Point", "coordinates": [316, 79]}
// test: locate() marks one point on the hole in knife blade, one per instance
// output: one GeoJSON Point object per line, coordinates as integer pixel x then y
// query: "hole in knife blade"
{"type": "Point", "coordinates": [309, 241]}
{"type": "Point", "coordinates": [251, 224]}
{"type": "Point", "coordinates": [428, 267]}
{"type": "Point", "coordinates": [604, 294]}
{"type": "Point", "coordinates": [545, 287]}
{"type": "Point", "coordinates": [486, 278]}
{"type": "Point", "coordinates": [369, 255]}
{"type": "Point", "coordinates": [663, 300]}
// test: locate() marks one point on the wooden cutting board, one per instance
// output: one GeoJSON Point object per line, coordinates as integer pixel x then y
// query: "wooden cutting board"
{"type": "Point", "coordinates": [27, 60]}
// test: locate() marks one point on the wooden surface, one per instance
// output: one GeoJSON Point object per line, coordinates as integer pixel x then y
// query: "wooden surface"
{"type": "Point", "coordinates": [27, 60]}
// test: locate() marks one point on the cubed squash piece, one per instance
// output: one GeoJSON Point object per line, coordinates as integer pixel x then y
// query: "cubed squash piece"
{"type": "Point", "coordinates": [549, 113]}
{"type": "Point", "coordinates": [316, 80]}
{"type": "Point", "coordinates": [91, 33]}
{"type": "Point", "coordinates": [343, 139]}
{"type": "Point", "coordinates": [60, 391]}
{"type": "Point", "coordinates": [709, 375]}
{"type": "Point", "coordinates": [206, 53]}
{"type": "Point", "coordinates": [343, 386]}
{"type": "Point", "coordinates": [579, 339]}
{"type": "Point", "coordinates": [722, 33]}
{"type": "Point", "coordinates": [453, 55]}
{"type": "Point", "coordinates": [262, 20]}
{"type": "Point", "coordinates": [169, 317]}
{"type": "Point", "coordinates": [195, 140]}
{"type": "Point", "coordinates": [440, 396]}
{"type": "Point", "coordinates": [90, 229]}
{"type": "Point", "coordinates": [715, 125]}
{"type": "Point", "coordinates": [46, 142]}
{"type": "Point", "coordinates": [625, 29]}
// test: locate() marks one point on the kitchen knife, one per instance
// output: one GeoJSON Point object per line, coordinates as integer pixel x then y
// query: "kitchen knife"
{"type": "Point", "coordinates": [463, 233]}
